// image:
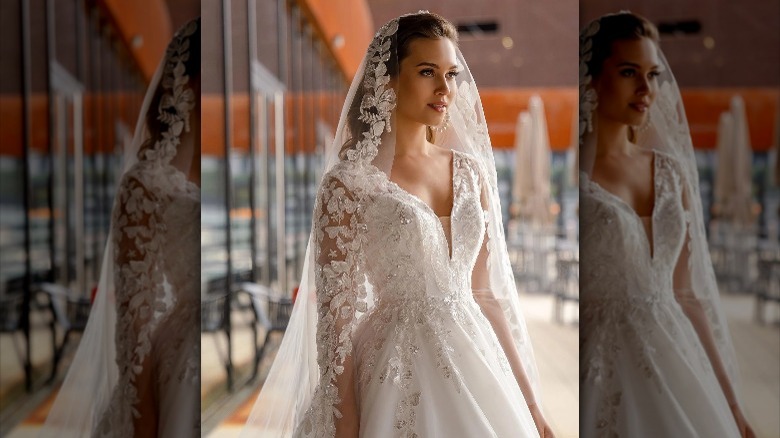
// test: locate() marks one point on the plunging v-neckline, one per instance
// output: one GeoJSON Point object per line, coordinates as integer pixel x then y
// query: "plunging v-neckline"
{"type": "Point", "coordinates": [650, 239]}
{"type": "Point", "coordinates": [429, 209]}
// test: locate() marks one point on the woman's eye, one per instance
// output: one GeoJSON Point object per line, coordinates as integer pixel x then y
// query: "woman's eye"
{"type": "Point", "coordinates": [452, 74]}
{"type": "Point", "coordinates": [427, 72]}
{"type": "Point", "coordinates": [653, 74]}
{"type": "Point", "coordinates": [627, 73]}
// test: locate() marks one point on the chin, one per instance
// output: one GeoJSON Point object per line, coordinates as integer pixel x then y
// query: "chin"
{"type": "Point", "coordinates": [635, 121]}
{"type": "Point", "coordinates": [433, 121]}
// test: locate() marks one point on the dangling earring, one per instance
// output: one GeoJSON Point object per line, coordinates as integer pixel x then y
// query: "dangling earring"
{"type": "Point", "coordinates": [444, 124]}
{"type": "Point", "coordinates": [645, 125]}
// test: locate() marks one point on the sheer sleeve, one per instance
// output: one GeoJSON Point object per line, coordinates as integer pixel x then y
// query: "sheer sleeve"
{"type": "Point", "coordinates": [493, 311]}
{"type": "Point", "coordinates": [694, 309]}
{"type": "Point", "coordinates": [137, 235]}
{"type": "Point", "coordinates": [340, 287]}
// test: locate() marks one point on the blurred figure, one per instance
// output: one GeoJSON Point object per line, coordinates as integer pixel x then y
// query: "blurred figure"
{"type": "Point", "coordinates": [137, 369]}
{"type": "Point", "coordinates": [407, 320]}
{"type": "Point", "coordinates": [656, 356]}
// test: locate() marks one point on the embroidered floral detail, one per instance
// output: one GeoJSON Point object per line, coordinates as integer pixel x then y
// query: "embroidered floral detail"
{"type": "Point", "coordinates": [379, 99]}
{"type": "Point", "coordinates": [177, 100]}
{"type": "Point", "coordinates": [627, 297]}
{"type": "Point", "coordinates": [156, 211]}
{"type": "Point", "coordinates": [588, 97]}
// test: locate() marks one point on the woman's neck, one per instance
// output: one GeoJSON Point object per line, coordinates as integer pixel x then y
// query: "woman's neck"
{"type": "Point", "coordinates": [410, 138]}
{"type": "Point", "coordinates": [612, 139]}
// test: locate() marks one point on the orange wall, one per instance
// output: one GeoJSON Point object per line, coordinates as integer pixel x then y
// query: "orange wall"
{"type": "Point", "coordinates": [704, 106]}
{"type": "Point", "coordinates": [148, 19]}
{"type": "Point", "coordinates": [357, 28]}
{"type": "Point", "coordinates": [96, 121]}
{"type": "Point", "coordinates": [501, 107]}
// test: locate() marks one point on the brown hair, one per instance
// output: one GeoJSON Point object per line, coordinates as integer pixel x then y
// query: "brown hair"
{"type": "Point", "coordinates": [617, 27]}
{"type": "Point", "coordinates": [410, 27]}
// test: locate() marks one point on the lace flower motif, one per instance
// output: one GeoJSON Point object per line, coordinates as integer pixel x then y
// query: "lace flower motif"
{"type": "Point", "coordinates": [178, 99]}
{"type": "Point", "coordinates": [379, 101]}
{"type": "Point", "coordinates": [588, 97]}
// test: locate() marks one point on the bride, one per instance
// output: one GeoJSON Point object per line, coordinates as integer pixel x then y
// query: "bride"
{"type": "Point", "coordinates": [137, 368]}
{"type": "Point", "coordinates": [407, 322]}
{"type": "Point", "coordinates": [655, 354]}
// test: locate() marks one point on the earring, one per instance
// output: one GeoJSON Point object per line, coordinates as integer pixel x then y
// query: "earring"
{"type": "Point", "coordinates": [645, 125]}
{"type": "Point", "coordinates": [444, 124]}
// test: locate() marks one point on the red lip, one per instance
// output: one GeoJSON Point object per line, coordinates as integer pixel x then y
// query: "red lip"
{"type": "Point", "coordinates": [641, 107]}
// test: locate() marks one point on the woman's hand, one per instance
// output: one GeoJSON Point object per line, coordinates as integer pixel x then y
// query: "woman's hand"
{"type": "Point", "coordinates": [745, 431]}
{"type": "Point", "coordinates": [541, 425]}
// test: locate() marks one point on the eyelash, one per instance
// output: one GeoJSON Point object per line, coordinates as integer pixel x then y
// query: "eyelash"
{"type": "Point", "coordinates": [429, 73]}
{"type": "Point", "coordinates": [630, 73]}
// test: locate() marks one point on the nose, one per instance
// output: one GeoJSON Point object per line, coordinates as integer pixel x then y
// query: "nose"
{"type": "Point", "coordinates": [643, 86]}
{"type": "Point", "coordinates": [442, 88]}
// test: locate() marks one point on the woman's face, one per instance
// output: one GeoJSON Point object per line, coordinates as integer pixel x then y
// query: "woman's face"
{"type": "Point", "coordinates": [426, 81]}
{"type": "Point", "coordinates": [627, 85]}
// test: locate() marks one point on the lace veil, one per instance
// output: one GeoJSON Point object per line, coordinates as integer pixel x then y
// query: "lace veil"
{"type": "Point", "coordinates": [98, 394]}
{"type": "Point", "coordinates": [666, 130]}
{"type": "Point", "coordinates": [318, 342]}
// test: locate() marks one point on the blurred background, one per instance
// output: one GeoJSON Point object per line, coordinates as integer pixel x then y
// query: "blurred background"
{"type": "Point", "coordinates": [726, 59]}
{"type": "Point", "coordinates": [73, 74]}
{"type": "Point", "coordinates": [273, 88]}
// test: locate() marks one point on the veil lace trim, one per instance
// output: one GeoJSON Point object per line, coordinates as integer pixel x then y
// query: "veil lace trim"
{"type": "Point", "coordinates": [139, 237]}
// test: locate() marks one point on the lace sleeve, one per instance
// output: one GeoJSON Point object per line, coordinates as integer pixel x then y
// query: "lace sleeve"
{"type": "Point", "coordinates": [694, 308]}
{"type": "Point", "coordinates": [494, 311]}
{"type": "Point", "coordinates": [340, 285]}
{"type": "Point", "coordinates": [137, 235]}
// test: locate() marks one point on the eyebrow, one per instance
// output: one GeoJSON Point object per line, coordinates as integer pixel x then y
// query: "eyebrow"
{"type": "Point", "coordinates": [633, 64]}
{"type": "Point", "coordinates": [430, 64]}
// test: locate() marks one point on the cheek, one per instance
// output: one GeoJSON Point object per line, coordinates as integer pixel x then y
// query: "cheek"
{"type": "Point", "coordinates": [453, 89]}
{"type": "Point", "coordinates": [653, 92]}
{"type": "Point", "coordinates": [410, 89]}
{"type": "Point", "coordinates": [616, 93]}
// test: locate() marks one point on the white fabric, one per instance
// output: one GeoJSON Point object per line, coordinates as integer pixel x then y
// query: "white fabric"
{"type": "Point", "coordinates": [383, 313]}
{"type": "Point", "coordinates": [140, 352]}
{"type": "Point", "coordinates": [643, 371]}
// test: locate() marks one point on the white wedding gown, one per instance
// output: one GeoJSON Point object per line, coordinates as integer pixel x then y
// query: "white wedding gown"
{"type": "Point", "coordinates": [644, 372]}
{"type": "Point", "coordinates": [427, 361]}
{"type": "Point", "coordinates": [157, 227]}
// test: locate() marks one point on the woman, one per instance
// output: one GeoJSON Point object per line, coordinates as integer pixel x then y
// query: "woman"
{"type": "Point", "coordinates": [137, 369]}
{"type": "Point", "coordinates": [407, 298]}
{"type": "Point", "coordinates": [655, 354]}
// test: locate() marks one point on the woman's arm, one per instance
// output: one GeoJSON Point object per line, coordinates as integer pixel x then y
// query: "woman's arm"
{"type": "Point", "coordinates": [693, 308]}
{"type": "Point", "coordinates": [491, 308]}
{"type": "Point", "coordinates": [340, 294]}
{"type": "Point", "coordinates": [139, 291]}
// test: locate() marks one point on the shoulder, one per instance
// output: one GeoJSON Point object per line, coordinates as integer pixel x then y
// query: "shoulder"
{"type": "Point", "coordinates": [666, 161]}
{"type": "Point", "coordinates": [138, 181]}
{"type": "Point", "coordinates": [468, 161]}
{"type": "Point", "coordinates": [347, 178]}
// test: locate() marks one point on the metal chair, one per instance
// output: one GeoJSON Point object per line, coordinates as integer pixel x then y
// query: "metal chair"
{"type": "Point", "coordinates": [68, 311]}
{"type": "Point", "coordinates": [272, 312]}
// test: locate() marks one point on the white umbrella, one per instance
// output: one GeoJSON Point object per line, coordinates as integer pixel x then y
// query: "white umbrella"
{"type": "Point", "coordinates": [733, 180]}
{"type": "Point", "coordinates": [723, 173]}
{"type": "Point", "coordinates": [531, 188]}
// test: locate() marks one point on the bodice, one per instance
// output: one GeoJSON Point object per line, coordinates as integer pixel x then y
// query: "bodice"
{"type": "Point", "coordinates": [626, 256]}
{"type": "Point", "coordinates": [408, 248]}
{"type": "Point", "coordinates": [182, 241]}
